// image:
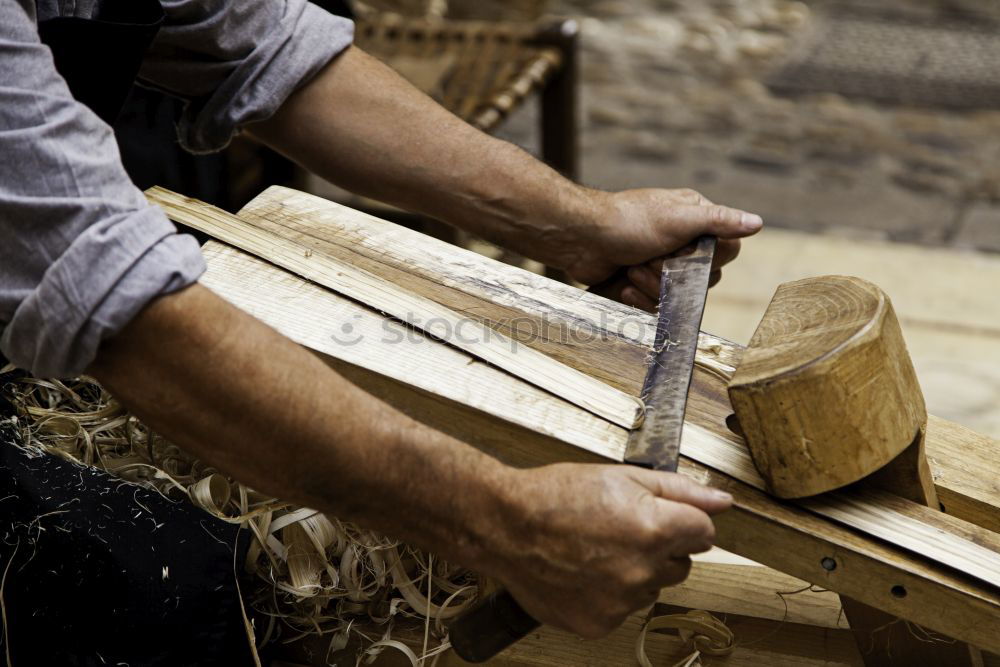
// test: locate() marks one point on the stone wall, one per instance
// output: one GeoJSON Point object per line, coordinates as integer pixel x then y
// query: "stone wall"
{"type": "Point", "coordinates": [673, 95]}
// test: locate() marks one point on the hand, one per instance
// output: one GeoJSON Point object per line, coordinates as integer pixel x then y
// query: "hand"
{"type": "Point", "coordinates": [591, 544]}
{"type": "Point", "coordinates": [637, 228]}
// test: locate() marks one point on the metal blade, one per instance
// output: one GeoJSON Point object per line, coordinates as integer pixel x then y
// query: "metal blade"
{"type": "Point", "coordinates": [657, 443]}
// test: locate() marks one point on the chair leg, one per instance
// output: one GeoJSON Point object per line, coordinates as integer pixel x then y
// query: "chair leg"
{"type": "Point", "coordinates": [559, 127]}
{"type": "Point", "coordinates": [559, 124]}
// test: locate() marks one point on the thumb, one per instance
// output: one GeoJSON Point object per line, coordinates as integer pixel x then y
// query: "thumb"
{"type": "Point", "coordinates": [672, 486]}
{"type": "Point", "coordinates": [721, 221]}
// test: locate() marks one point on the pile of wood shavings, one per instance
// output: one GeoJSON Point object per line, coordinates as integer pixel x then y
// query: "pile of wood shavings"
{"type": "Point", "coordinates": [313, 574]}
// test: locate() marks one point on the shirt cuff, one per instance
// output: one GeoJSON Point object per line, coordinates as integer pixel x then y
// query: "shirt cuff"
{"type": "Point", "coordinates": [304, 42]}
{"type": "Point", "coordinates": [57, 328]}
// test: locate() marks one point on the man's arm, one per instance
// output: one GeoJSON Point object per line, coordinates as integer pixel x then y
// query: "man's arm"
{"type": "Point", "coordinates": [581, 546]}
{"type": "Point", "coordinates": [360, 125]}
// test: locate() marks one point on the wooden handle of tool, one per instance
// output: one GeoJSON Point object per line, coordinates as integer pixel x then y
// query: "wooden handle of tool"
{"type": "Point", "coordinates": [495, 623]}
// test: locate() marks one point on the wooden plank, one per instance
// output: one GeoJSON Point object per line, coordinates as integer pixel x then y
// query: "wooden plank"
{"type": "Point", "coordinates": [755, 591]}
{"type": "Point", "coordinates": [597, 336]}
{"type": "Point", "coordinates": [287, 250]}
{"type": "Point", "coordinates": [438, 384]}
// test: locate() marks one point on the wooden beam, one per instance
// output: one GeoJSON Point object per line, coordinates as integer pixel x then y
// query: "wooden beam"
{"type": "Point", "coordinates": [755, 591]}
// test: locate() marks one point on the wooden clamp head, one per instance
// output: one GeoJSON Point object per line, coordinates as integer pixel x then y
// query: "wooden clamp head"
{"type": "Point", "coordinates": [826, 393]}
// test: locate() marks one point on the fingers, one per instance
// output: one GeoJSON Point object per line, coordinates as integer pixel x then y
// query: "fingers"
{"type": "Point", "coordinates": [674, 571]}
{"type": "Point", "coordinates": [632, 296]}
{"type": "Point", "coordinates": [726, 250]}
{"type": "Point", "coordinates": [721, 221]}
{"type": "Point", "coordinates": [690, 530]}
{"type": "Point", "coordinates": [647, 279]}
{"type": "Point", "coordinates": [671, 486]}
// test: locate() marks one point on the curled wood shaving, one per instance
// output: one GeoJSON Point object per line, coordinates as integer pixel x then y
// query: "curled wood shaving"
{"type": "Point", "coordinates": [707, 634]}
{"type": "Point", "coordinates": [312, 573]}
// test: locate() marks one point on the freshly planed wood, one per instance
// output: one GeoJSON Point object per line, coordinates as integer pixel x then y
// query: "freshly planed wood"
{"type": "Point", "coordinates": [826, 393]}
{"type": "Point", "coordinates": [602, 338]}
{"type": "Point", "coordinates": [440, 385]}
{"type": "Point", "coordinates": [756, 591]}
{"type": "Point", "coordinates": [467, 334]}
{"type": "Point", "coordinates": [594, 335]}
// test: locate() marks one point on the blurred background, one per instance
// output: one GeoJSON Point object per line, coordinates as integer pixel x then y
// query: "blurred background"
{"type": "Point", "coordinates": [867, 134]}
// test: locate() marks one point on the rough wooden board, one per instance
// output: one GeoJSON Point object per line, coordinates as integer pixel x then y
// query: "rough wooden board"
{"type": "Point", "coordinates": [752, 590]}
{"type": "Point", "coordinates": [572, 326]}
{"type": "Point", "coordinates": [294, 251]}
{"type": "Point", "coordinates": [392, 361]}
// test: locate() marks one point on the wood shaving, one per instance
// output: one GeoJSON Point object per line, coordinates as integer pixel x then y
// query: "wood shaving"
{"type": "Point", "coordinates": [311, 574]}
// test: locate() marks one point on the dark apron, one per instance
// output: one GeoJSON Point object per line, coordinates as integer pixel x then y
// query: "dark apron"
{"type": "Point", "coordinates": [100, 57]}
{"type": "Point", "coordinates": [100, 572]}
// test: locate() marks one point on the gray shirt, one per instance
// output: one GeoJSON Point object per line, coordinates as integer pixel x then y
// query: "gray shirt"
{"type": "Point", "coordinates": [81, 252]}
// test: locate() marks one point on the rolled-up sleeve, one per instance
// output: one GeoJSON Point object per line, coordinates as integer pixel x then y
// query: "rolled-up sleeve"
{"type": "Point", "coordinates": [236, 62]}
{"type": "Point", "coordinates": [81, 252]}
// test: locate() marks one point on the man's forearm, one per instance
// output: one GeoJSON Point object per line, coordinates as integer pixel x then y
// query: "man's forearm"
{"type": "Point", "coordinates": [580, 546]}
{"type": "Point", "coordinates": [233, 392]}
{"type": "Point", "coordinates": [360, 125]}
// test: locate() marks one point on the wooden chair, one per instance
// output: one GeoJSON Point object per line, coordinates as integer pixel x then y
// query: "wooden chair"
{"type": "Point", "coordinates": [481, 70]}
